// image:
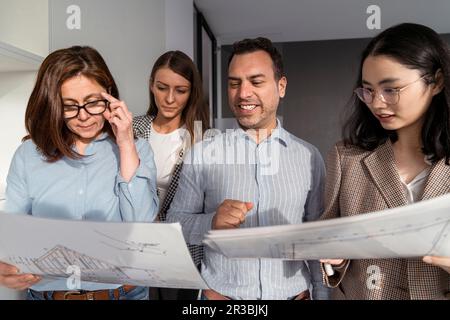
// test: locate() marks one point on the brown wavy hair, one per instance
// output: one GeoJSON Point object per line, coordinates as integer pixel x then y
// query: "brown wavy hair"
{"type": "Point", "coordinates": [44, 120]}
{"type": "Point", "coordinates": [196, 108]}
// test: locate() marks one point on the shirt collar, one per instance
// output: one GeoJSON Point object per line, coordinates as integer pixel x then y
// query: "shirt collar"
{"type": "Point", "coordinates": [90, 147]}
{"type": "Point", "coordinates": [278, 134]}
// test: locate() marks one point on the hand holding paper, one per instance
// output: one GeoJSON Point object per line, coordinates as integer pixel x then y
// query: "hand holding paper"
{"type": "Point", "coordinates": [10, 278]}
{"type": "Point", "coordinates": [443, 262]}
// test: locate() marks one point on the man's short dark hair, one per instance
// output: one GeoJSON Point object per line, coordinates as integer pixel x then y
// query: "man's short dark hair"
{"type": "Point", "coordinates": [260, 44]}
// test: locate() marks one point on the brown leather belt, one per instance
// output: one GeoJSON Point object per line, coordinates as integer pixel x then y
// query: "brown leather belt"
{"type": "Point", "coordinates": [214, 295]}
{"type": "Point", "coordinates": [87, 295]}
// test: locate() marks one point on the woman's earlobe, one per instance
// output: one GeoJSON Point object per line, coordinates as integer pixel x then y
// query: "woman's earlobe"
{"type": "Point", "coordinates": [438, 82]}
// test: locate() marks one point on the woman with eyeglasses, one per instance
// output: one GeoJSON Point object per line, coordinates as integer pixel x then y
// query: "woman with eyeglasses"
{"type": "Point", "coordinates": [396, 151]}
{"type": "Point", "coordinates": [80, 161]}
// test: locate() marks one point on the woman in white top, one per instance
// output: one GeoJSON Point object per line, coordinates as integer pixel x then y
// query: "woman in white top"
{"type": "Point", "coordinates": [176, 118]}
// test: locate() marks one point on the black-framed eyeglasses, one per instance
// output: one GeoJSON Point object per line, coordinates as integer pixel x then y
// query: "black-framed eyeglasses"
{"type": "Point", "coordinates": [93, 108]}
{"type": "Point", "coordinates": [386, 95]}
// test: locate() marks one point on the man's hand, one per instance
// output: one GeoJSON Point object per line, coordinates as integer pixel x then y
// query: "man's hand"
{"type": "Point", "coordinates": [231, 214]}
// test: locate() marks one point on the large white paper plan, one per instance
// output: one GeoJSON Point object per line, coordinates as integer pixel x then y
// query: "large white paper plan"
{"type": "Point", "coordinates": [142, 254]}
{"type": "Point", "coordinates": [415, 230]}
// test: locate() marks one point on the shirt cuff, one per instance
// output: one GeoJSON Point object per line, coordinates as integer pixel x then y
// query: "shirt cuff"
{"type": "Point", "coordinates": [141, 172]}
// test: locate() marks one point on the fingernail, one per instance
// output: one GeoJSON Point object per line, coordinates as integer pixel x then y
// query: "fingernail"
{"type": "Point", "coordinates": [29, 278]}
{"type": "Point", "coordinates": [14, 271]}
{"type": "Point", "coordinates": [427, 260]}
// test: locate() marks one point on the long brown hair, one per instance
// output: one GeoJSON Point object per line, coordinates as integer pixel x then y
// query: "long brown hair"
{"type": "Point", "coordinates": [196, 108]}
{"type": "Point", "coordinates": [44, 119]}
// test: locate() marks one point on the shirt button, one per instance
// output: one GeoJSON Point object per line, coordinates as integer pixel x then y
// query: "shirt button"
{"type": "Point", "coordinates": [81, 192]}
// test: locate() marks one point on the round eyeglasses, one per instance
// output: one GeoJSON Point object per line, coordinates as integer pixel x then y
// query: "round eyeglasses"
{"type": "Point", "coordinates": [93, 108]}
{"type": "Point", "coordinates": [386, 95]}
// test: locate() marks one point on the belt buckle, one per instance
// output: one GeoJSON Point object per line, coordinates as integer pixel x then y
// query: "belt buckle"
{"type": "Point", "coordinates": [71, 293]}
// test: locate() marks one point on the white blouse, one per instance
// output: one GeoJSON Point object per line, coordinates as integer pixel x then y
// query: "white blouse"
{"type": "Point", "coordinates": [414, 189]}
{"type": "Point", "coordinates": [166, 149]}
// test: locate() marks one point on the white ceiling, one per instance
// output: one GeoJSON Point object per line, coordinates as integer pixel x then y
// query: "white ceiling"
{"type": "Point", "coordinates": [304, 20]}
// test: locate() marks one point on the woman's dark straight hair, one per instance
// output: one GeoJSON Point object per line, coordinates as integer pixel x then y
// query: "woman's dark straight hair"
{"type": "Point", "coordinates": [416, 47]}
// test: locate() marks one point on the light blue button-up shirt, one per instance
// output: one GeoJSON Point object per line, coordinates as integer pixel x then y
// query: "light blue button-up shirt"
{"type": "Point", "coordinates": [284, 178]}
{"type": "Point", "coordinates": [90, 188]}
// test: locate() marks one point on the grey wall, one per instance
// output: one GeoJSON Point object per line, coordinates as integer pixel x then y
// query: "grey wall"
{"type": "Point", "coordinates": [180, 26]}
{"type": "Point", "coordinates": [130, 35]}
{"type": "Point", "coordinates": [321, 76]}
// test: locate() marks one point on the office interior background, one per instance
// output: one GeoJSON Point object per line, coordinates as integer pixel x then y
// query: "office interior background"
{"type": "Point", "coordinates": [320, 40]}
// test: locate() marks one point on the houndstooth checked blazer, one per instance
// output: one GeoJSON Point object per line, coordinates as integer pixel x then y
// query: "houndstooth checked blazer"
{"type": "Point", "coordinates": [142, 129]}
{"type": "Point", "coordinates": [360, 181]}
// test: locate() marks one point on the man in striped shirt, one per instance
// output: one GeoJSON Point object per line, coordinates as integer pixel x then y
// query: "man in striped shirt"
{"type": "Point", "coordinates": [257, 175]}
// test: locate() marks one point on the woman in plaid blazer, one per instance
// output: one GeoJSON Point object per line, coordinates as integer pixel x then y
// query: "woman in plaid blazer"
{"type": "Point", "coordinates": [176, 104]}
{"type": "Point", "coordinates": [396, 151]}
